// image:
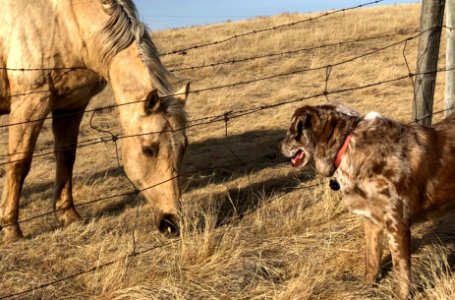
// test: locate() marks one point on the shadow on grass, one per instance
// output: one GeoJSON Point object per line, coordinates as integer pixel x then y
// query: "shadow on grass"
{"type": "Point", "coordinates": [212, 154]}
{"type": "Point", "coordinates": [237, 202]}
{"type": "Point", "coordinates": [251, 151]}
{"type": "Point", "coordinates": [238, 155]}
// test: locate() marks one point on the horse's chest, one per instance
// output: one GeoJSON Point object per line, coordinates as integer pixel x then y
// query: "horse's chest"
{"type": "Point", "coordinates": [65, 83]}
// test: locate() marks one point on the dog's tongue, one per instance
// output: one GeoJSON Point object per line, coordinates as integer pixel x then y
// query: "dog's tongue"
{"type": "Point", "coordinates": [298, 159]}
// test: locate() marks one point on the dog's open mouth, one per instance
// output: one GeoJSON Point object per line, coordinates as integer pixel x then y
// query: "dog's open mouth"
{"type": "Point", "coordinates": [297, 161]}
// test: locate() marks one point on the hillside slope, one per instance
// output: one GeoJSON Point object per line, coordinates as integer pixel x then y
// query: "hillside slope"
{"type": "Point", "coordinates": [254, 228]}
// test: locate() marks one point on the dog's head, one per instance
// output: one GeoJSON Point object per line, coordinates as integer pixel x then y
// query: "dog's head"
{"type": "Point", "coordinates": [317, 133]}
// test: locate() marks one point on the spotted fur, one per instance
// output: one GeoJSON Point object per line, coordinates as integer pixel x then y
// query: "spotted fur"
{"type": "Point", "coordinates": [393, 175]}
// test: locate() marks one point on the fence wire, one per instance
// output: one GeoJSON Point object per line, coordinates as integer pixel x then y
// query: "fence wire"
{"type": "Point", "coordinates": [229, 85]}
{"type": "Point", "coordinates": [273, 28]}
{"type": "Point", "coordinates": [289, 52]}
{"type": "Point", "coordinates": [225, 117]}
{"type": "Point", "coordinates": [136, 253]}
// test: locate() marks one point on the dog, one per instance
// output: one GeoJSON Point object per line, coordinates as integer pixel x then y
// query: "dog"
{"type": "Point", "coordinates": [392, 174]}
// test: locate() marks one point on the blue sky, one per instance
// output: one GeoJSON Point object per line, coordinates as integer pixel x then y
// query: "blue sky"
{"type": "Point", "coordinates": [162, 14]}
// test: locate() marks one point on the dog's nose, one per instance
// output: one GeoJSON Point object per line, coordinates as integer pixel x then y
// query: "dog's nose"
{"type": "Point", "coordinates": [281, 147]}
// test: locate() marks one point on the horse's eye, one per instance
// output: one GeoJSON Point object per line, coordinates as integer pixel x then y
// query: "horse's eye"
{"type": "Point", "coordinates": [150, 151]}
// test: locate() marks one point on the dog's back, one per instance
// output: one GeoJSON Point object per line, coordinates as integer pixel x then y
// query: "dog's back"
{"type": "Point", "coordinates": [447, 123]}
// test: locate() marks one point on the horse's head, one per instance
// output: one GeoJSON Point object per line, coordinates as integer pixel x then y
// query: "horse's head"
{"type": "Point", "coordinates": [123, 52]}
{"type": "Point", "coordinates": [153, 156]}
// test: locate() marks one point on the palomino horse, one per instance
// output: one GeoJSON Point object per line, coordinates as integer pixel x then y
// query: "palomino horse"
{"type": "Point", "coordinates": [106, 42]}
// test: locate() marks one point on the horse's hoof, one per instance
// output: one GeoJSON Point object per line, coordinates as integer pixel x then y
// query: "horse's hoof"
{"type": "Point", "coordinates": [12, 234]}
{"type": "Point", "coordinates": [68, 216]}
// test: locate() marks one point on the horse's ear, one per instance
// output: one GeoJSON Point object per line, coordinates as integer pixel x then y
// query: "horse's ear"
{"type": "Point", "coordinates": [182, 94]}
{"type": "Point", "coordinates": [152, 102]}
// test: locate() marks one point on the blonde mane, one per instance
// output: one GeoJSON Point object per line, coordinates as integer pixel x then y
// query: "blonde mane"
{"type": "Point", "coordinates": [122, 29]}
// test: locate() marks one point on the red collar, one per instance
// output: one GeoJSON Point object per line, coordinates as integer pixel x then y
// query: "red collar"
{"type": "Point", "coordinates": [342, 150]}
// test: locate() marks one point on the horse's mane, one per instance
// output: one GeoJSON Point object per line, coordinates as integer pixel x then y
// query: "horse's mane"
{"type": "Point", "coordinates": [124, 28]}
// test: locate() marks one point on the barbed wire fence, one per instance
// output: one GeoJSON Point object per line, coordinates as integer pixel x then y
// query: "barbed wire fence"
{"type": "Point", "coordinates": [273, 28]}
{"type": "Point", "coordinates": [224, 117]}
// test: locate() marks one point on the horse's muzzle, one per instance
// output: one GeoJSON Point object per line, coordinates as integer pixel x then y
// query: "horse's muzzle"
{"type": "Point", "coordinates": [168, 225]}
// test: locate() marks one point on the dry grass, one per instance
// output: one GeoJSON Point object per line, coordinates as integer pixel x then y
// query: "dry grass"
{"type": "Point", "coordinates": [300, 243]}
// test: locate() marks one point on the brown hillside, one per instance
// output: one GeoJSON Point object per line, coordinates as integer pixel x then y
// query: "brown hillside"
{"type": "Point", "coordinates": [296, 240]}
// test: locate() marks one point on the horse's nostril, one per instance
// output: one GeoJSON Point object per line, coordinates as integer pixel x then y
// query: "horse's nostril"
{"type": "Point", "coordinates": [168, 225]}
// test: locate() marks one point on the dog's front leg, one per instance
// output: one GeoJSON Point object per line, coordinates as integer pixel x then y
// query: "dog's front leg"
{"type": "Point", "coordinates": [399, 244]}
{"type": "Point", "coordinates": [373, 250]}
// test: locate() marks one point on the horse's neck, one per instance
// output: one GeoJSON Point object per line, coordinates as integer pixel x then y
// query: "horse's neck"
{"type": "Point", "coordinates": [130, 82]}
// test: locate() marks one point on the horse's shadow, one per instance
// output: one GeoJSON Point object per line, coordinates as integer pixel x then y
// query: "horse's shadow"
{"type": "Point", "coordinates": [46, 188]}
{"type": "Point", "coordinates": [216, 160]}
{"type": "Point", "coordinates": [211, 161]}
{"type": "Point", "coordinates": [233, 202]}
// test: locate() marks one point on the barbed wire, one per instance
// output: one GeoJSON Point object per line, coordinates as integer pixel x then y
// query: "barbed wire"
{"type": "Point", "coordinates": [43, 69]}
{"type": "Point", "coordinates": [135, 252]}
{"type": "Point", "coordinates": [273, 28]}
{"type": "Point", "coordinates": [284, 74]}
{"type": "Point", "coordinates": [430, 115]}
{"type": "Point", "coordinates": [284, 53]}
{"type": "Point", "coordinates": [229, 85]}
{"type": "Point", "coordinates": [93, 111]}
{"type": "Point", "coordinates": [74, 68]}
{"type": "Point", "coordinates": [239, 113]}
{"type": "Point", "coordinates": [225, 117]}
{"type": "Point", "coordinates": [239, 217]}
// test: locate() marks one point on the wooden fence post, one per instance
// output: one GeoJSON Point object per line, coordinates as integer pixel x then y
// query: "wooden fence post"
{"type": "Point", "coordinates": [431, 18]}
{"type": "Point", "coordinates": [449, 100]}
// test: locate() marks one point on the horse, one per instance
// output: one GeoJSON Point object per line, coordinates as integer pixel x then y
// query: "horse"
{"type": "Point", "coordinates": [54, 57]}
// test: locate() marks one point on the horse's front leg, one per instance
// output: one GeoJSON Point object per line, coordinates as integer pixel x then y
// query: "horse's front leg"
{"type": "Point", "coordinates": [65, 126]}
{"type": "Point", "coordinates": [26, 119]}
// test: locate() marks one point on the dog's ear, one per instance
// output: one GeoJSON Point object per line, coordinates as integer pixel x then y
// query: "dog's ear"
{"type": "Point", "coordinates": [302, 122]}
{"type": "Point", "coordinates": [299, 122]}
